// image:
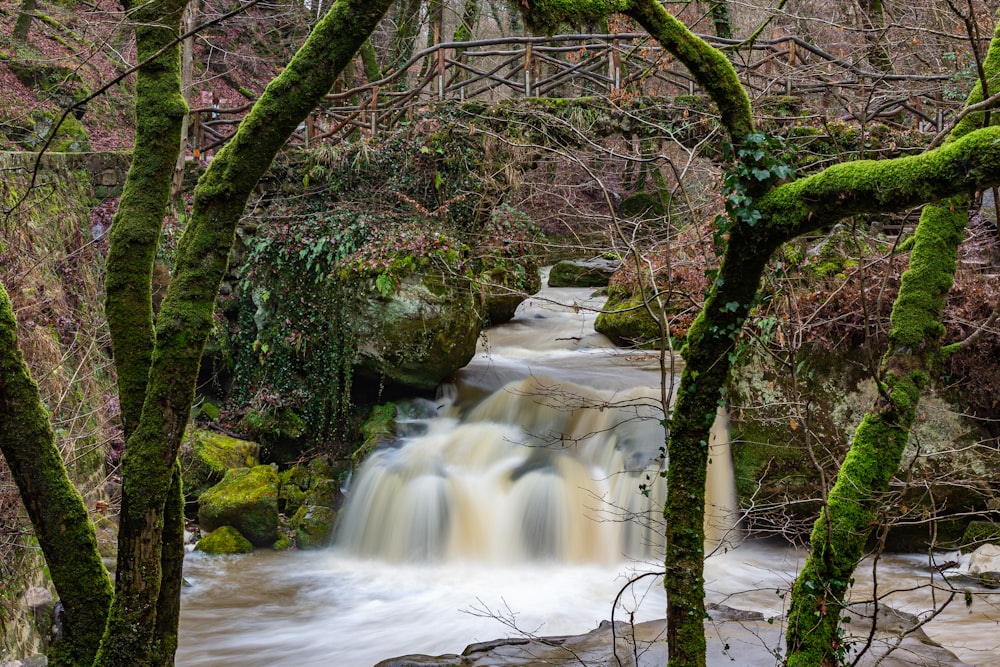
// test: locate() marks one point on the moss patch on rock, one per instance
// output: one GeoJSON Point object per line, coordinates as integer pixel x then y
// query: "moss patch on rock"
{"type": "Point", "coordinates": [246, 499]}
{"type": "Point", "coordinates": [224, 540]}
{"type": "Point", "coordinates": [583, 273]}
{"type": "Point", "coordinates": [206, 456]}
{"type": "Point", "coordinates": [313, 526]}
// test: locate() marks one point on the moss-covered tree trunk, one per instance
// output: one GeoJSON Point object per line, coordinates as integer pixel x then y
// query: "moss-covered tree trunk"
{"type": "Point", "coordinates": [157, 369]}
{"type": "Point", "coordinates": [62, 526]}
{"type": "Point", "coordinates": [185, 317]}
{"type": "Point", "coordinates": [838, 538]}
{"type": "Point", "coordinates": [721, 19]}
{"type": "Point", "coordinates": [22, 27]}
{"type": "Point", "coordinates": [760, 221]}
{"type": "Point", "coordinates": [160, 109]}
{"type": "Point", "coordinates": [405, 39]}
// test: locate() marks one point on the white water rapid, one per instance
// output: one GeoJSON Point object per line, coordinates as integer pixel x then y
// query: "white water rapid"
{"type": "Point", "coordinates": [526, 496]}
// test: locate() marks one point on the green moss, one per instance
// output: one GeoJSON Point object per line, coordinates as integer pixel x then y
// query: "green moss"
{"type": "Point", "coordinates": [313, 526]}
{"type": "Point", "coordinates": [245, 499]}
{"type": "Point", "coordinates": [978, 533]}
{"type": "Point", "coordinates": [547, 15]}
{"type": "Point", "coordinates": [224, 540]}
{"type": "Point", "coordinates": [207, 455]}
{"type": "Point", "coordinates": [627, 322]}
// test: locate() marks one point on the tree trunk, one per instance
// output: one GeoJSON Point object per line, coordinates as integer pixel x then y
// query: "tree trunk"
{"type": "Point", "coordinates": [185, 318]}
{"type": "Point", "coordinates": [405, 39]}
{"type": "Point", "coordinates": [878, 54]}
{"type": "Point", "coordinates": [56, 510]}
{"type": "Point", "coordinates": [135, 232]}
{"type": "Point", "coordinates": [841, 531]}
{"type": "Point", "coordinates": [22, 27]}
{"type": "Point", "coordinates": [370, 61]}
{"type": "Point", "coordinates": [721, 20]}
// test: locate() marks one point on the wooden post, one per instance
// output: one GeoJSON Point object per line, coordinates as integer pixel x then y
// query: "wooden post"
{"type": "Point", "coordinates": [310, 128]}
{"type": "Point", "coordinates": [440, 64]}
{"type": "Point", "coordinates": [374, 105]}
{"type": "Point", "coordinates": [616, 68]}
{"type": "Point", "coordinates": [527, 70]}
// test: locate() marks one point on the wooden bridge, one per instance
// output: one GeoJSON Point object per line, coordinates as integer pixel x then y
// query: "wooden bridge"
{"type": "Point", "coordinates": [613, 65]}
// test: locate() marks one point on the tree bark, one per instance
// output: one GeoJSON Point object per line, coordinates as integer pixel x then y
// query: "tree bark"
{"type": "Point", "coordinates": [56, 510]}
{"type": "Point", "coordinates": [22, 27]}
{"type": "Point", "coordinates": [405, 39]}
{"type": "Point", "coordinates": [839, 535]}
{"type": "Point", "coordinates": [185, 317]}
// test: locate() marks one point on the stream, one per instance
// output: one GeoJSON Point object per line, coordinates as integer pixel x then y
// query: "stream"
{"type": "Point", "coordinates": [522, 500]}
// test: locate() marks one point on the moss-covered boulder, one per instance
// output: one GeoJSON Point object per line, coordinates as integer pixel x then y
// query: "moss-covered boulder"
{"type": "Point", "coordinates": [627, 321]}
{"type": "Point", "coordinates": [207, 455]}
{"type": "Point", "coordinates": [313, 525]}
{"type": "Point", "coordinates": [246, 499]}
{"type": "Point", "coordinates": [224, 540]}
{"type": "Point", "coordinates": [317, 482]}
{"type": "Point", "coordinates": [596, 272]}
{"type": "Point", "coordinates": [418, 333]}
{"type": "Point", "coordinates": [791, 430]}
{"type": "Point", "coordinates": [504, 287]}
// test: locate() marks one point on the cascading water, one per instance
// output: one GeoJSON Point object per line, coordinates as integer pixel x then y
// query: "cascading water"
{"type": "Point", "coordinates": [537, 468]}
{"type": "Point", "coordinates": [528, 493]}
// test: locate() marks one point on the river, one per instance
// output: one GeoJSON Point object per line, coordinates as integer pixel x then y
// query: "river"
{"type": "Point", "coordinates": [522, 500]}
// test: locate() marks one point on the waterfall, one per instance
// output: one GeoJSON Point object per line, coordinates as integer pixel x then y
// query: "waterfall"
{"type": "Point", "coordinates": [540, 469]}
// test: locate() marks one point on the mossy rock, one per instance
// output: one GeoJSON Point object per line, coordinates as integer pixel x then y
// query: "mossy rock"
{"type": "Point", "coordinates": [71, 138]}
{"type": "Point", "coordinates": [643, 205]}
{"type": "Point", "coordinates": [246, 499]}
{"type": "Point", "coordinates": [420, 334]}
{"type": "Point", "coordinates": [207, 455]}
{"type": "Point", "coordinates": [294, 484]}
{"type": "Point", "coordinates": [595, 272]}
{"type": "Point", "coordinates": [313, 526]}
{"type": "Point", "coordinates": [314, 483]}
{"type": "Point", "coordinates": [379, 429]}
{"type": "Point", "coordinates": [627, 322]}
{"type": "Point", "coordinates": [224, 540]}
{"type": "Point", "coordinates": [978, 533]}
{"type": "Point", "coordinates": [63, 84]}
{"type": "Point", "coordinates": [503, 288]}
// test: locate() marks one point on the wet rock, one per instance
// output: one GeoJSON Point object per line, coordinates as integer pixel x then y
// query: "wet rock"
{"type": "Point", "coordinates": [503, 288]}
{"type": "Point", "coordinates": [741, 641]}
{"type": "Point", "coordinates": [594, 272]}
{"type": "Point", "coordinates": [37, 661]}
{"type": "Point", "coordinates": [984, 564]}
{"type": "Point", "coordinates": [313, 526]}
{"type": "Point", "coordinates": [245, 499]}
{"type": "Point", "coordinates": [224, 540]}
{"type": "Point", "coordinates": [41, 605]}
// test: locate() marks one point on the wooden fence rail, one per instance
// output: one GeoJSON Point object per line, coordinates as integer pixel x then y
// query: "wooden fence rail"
{"type": "Point", "coordinates": [576, 65]}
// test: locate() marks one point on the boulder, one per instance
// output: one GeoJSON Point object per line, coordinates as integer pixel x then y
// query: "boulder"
{"type": "Point", "coordinates": [207, 455]}
{"type": "Point", "coordinates": [594, 272]}
{"type": "Point", "coordinates": [316, 483]}
{"type": "Point", "coordinates": [224, 540]}
{"type": "Point", "coordinates": [503, 288]}
{"type": "Point", "coordinates": [984, 564]}
{"type": "Point", "coordinates": [313, 526]}
{"type": "Point", "coordinates": [419, 334]}
{"type": "Point", "coordinates": [246, 499]}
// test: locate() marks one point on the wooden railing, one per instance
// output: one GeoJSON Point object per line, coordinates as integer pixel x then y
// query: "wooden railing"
{"type": "Point", "coordinates": [609, 65]}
